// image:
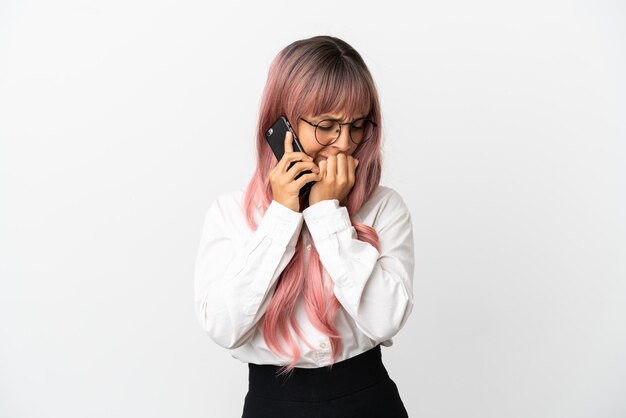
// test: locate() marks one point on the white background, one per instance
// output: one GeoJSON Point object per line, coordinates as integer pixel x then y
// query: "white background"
{"type": "Point", "coordinates": [504, 131]}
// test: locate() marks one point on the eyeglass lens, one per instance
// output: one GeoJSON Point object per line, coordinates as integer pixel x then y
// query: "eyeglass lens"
{"type": "Point", "coordinates": [329, 130]}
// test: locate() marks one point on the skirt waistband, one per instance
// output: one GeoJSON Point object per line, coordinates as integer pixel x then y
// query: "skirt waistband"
{"type": "Point", "coordinates": [320, 383]}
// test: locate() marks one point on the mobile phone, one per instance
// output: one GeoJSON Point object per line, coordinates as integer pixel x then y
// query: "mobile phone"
{"type": "Point", "coordinates": [276, 139]}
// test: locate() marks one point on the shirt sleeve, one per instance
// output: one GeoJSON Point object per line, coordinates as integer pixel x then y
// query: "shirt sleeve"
{"type": "Point", "coordinates": [236, 270]}
{"type": "Point", "coordinates": [375, 288]}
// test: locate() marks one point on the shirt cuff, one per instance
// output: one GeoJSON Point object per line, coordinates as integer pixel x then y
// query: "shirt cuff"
{"type": "Point", "coordinates": [326, 218]}
{"type": "Point", "coordinates": [281, 224]}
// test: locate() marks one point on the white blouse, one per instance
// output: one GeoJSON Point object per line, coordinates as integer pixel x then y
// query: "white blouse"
{"type": "Point", "coordinates": [236, 272]}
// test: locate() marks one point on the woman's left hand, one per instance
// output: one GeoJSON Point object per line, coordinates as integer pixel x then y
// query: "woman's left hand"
{"type": "Point", "coordinates": [335, 179]}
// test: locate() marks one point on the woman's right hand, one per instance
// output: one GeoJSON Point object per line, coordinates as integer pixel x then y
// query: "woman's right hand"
{"type": "Point", "coordinates": [284, 186]}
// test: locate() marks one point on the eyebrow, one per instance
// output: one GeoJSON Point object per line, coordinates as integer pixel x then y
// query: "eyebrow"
{"type": "Point", "coordinates": [326, 115]}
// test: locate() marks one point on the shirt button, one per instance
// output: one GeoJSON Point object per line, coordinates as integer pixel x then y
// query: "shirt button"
{"type": "Point", "coordinates": [323, 345]}
{"type": "Point", "coordinates": [308, 246]}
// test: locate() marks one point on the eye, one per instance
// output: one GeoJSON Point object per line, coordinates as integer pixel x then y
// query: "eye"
{"type": "Point", "coordinates": [358, 124]}
{"type": "Point", "coordinates": [326, 124]}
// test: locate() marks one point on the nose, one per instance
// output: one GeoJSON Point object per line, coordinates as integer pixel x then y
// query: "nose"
{"type": "Point", "coordinates": [343, 143]}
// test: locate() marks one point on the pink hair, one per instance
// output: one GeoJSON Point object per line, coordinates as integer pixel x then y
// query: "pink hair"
{"type": "Point", "coordinates": [322, 74]}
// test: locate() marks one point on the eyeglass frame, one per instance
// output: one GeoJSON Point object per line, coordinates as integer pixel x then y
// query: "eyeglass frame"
{"type": "Point", "coordinates": [340, 124]}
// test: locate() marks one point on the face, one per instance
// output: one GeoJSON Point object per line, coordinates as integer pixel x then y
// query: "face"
{"type": "Point", "coordinates": [343, 144]}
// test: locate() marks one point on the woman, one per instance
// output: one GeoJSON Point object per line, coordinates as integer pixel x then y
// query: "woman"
{"type": "Point", "coordinates": [305, 289]}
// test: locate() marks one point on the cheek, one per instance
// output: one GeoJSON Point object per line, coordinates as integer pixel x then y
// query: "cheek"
{"type": "Point", "coordinates": [310, 145]}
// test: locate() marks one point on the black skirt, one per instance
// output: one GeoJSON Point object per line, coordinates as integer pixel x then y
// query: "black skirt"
{"type": "Point", "coordinates": [358, 387]}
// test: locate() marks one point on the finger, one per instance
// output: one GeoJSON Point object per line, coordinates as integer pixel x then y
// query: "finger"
{"type": "Point", "coordinates": [342, 166]}
{"type": "Point", "coordinates": [302, 166]}
{"type": "Point", "coordinates": [331, 167]}
{"type": "Point", "coordinates": [288, 142]}
{"type": "Point", "coordinates": [352, 163]}
{"type": "Point", "coordinates": [323, 168]}
{"type": "Point", "coordinates": [306, 179]}
{"type": "Point", "coordinates": [290, 157]}
{"type": "Point", "coordinates": [351, 167]}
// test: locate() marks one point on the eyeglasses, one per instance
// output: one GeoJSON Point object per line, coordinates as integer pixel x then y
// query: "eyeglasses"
{"type": "Point", "coordinates": [328, 131]}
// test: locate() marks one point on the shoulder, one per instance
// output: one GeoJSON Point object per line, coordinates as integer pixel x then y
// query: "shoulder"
{"type": "Point", "coordinates": [384, 206]}
{"type": "Point", "coordinates": [230, 199]}
{"type": "Point", "coordinates": [386, 198]}
{"type": "Point", "coordinates": [227, 206]}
